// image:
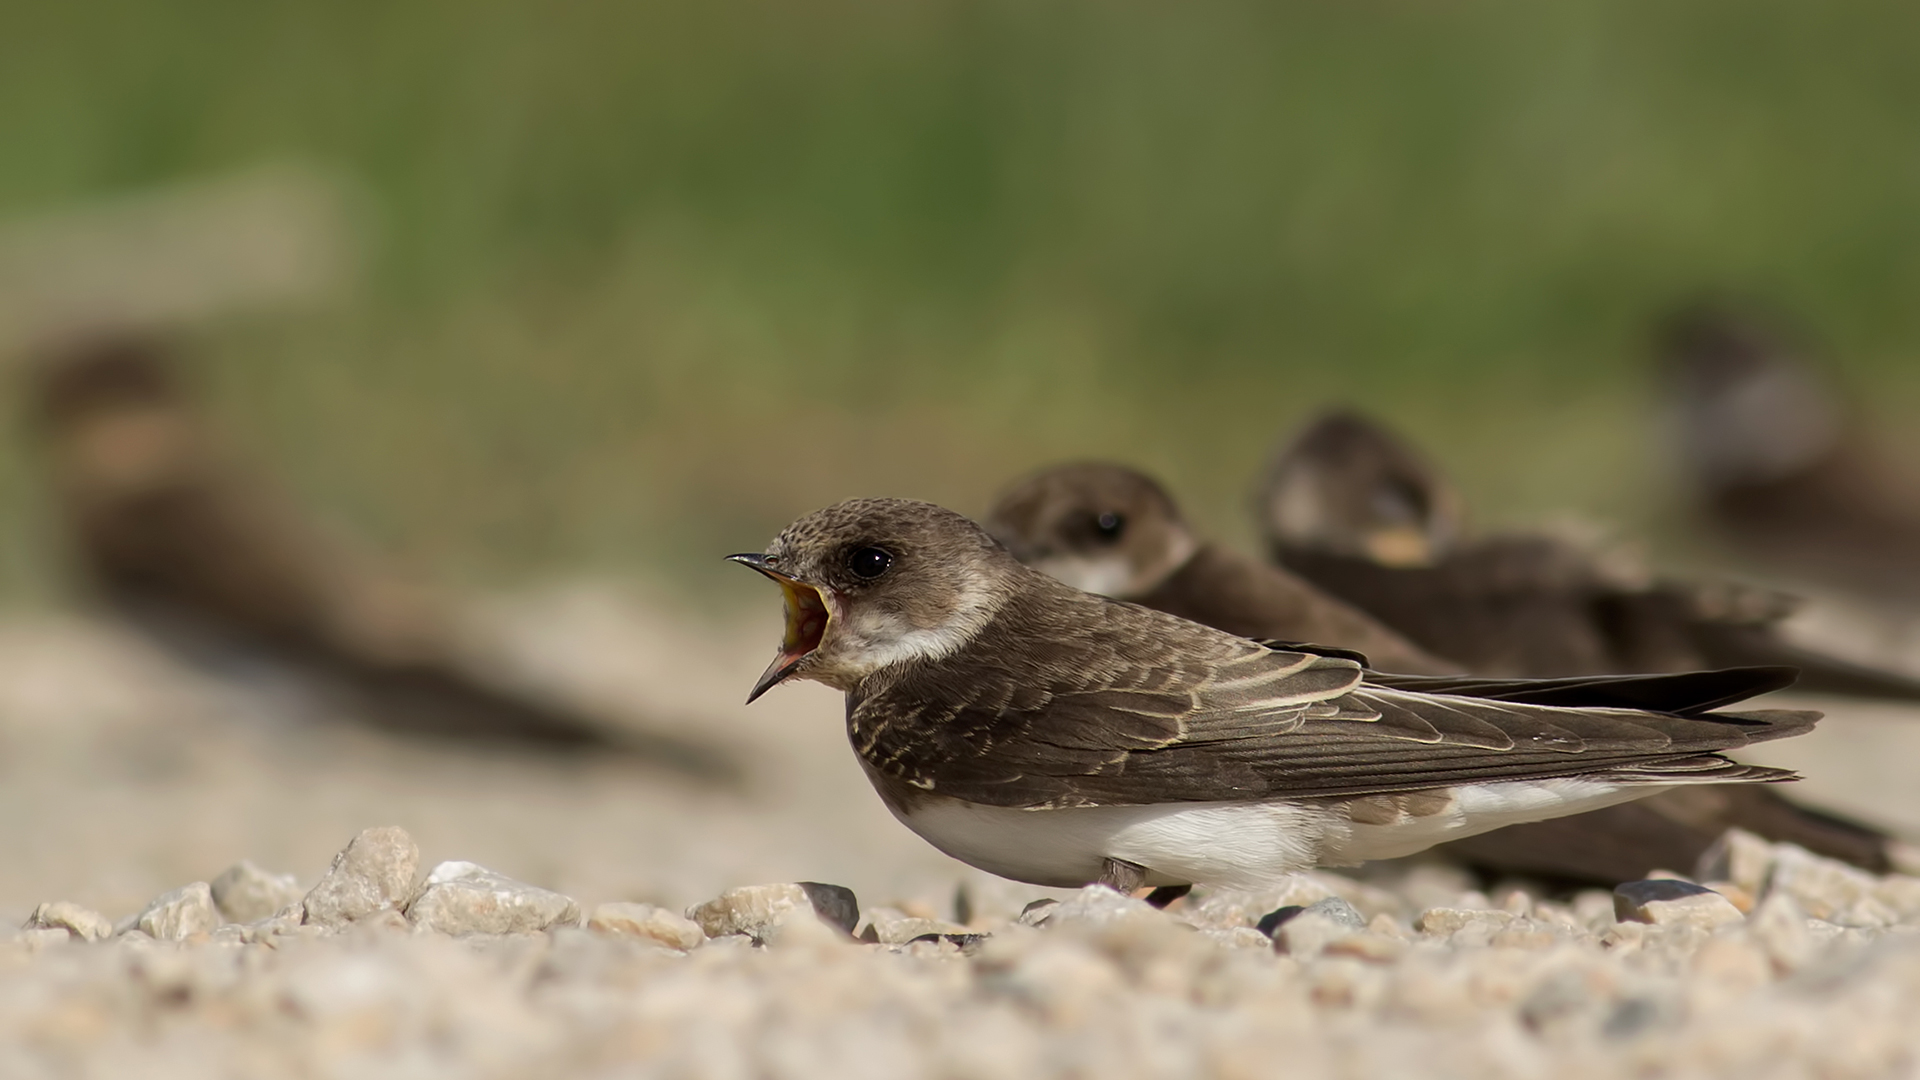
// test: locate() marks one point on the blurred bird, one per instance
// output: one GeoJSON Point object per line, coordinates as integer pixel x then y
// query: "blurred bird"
{"type": "Point", "coordinates": [168, 532]}
{"type": "Point", "coordinates": [1356, 510]}
{"type": "Point", "coordinates": [1353, 509]}
{"type": "Point", "coordinates": [1111, 530]}
{"type": "Point", "coordinates": [1779, 462]}
{"type": "Point", "coordinates": [1062, 738]}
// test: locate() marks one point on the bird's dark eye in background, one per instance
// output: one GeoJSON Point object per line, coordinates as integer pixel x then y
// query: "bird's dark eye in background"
{"type": "Point", "coordinates": [868, 562]}
{"type": "Point", "coordinates": [1109, 525]}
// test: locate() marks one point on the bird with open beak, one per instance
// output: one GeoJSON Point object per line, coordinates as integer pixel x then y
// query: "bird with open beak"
{"type": "Point", "coordinates": [1061, 738]}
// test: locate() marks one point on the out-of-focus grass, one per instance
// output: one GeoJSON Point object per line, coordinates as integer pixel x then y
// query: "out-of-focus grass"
{"type": "Point", "coordinates": [656, 277]}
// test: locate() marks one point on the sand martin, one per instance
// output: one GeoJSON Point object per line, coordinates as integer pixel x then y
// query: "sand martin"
{"type": "Point", "coordinates": [1356, 511]}
{"type": "Point", "coordinates": [1374, 500]}
{"type": "Point", "coordinates": [173, 533]}
{"type": "Point", "coordinates": [1113, 530]}
{"type": "Point", "coordinates": [1062, 738]}
{"type": "Point", "coordinates": [1778, 458]}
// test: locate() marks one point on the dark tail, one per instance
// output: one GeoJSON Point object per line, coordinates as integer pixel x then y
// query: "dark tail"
{"type": "Point", "coordinates": [1687, 693]}
{"type": "Point", "coordinates": [1819, 672]}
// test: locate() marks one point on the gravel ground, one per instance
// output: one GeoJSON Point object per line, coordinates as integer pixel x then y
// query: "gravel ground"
{"type": "Point", "coordinates": [500, 915]}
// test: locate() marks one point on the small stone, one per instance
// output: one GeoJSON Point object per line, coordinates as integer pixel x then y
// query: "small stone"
{"type": "Point", "coordinates": [1561, 996]}
{"type": "Point", "coordinates": [1306, 931]}
{"type": "Point", "coordinates": [1740, 857]}
{"type": "Point", "coordinates": [388, 921]}
{"type": "Point", "coordinates": [889, 926]}
{"type": "Point", "coordinates": [283, 922]}
{"type": "Point", "coordinates": [1737, 896]}
{"type": "Point", "coordinates": [1453, 920]}
{"type": "Point", "coordinates": [1635, 1016]}
{"type": "Point", "coordinates": [1524, 933]}
{"type": "Point", "coordinates": [968, 944]}
{"type": "Point", "coordinates": [1238, 937]}
{"type": "Point", "coordinates": [1097, 905]}
{"type": "Point", "coordinates": [36, 938]}
{"type": "Point", "coordinates": [373, 873]}
{"type": "Point", "coordinates": [1331, 907]}
{"type": "Point", "coordinates": [1785, 932]}
{"type": "Point", "coordinates": [835, 904]}
{"type": "Point", "coordinates": [1368, 946]}
{"type": "Point", "coordinates": [245, 893]}
{"type": "Point", "coordinates": [1828, 889]}
{"type": "Point", "coordinates": [1672, 902]}
{"type": "Point", "coordinates": [1735, 961]}
{"type": "Point", "coordinates": [760, 912]}
{"type": "Point", "coordinates": [649, 923]}
{"type": "Point", "coordinates": [1386, 926]}
{"type": "Point", "coordinates": [1901, 894]}
{"type": "Point", "coordinates": [1037, 913]}
{"type": "Point", "coordinates": [460, 898]}
{"type": "Point", "coordinates": [83, 923]}
{"type": "Point", "coordinates": [177, 915]}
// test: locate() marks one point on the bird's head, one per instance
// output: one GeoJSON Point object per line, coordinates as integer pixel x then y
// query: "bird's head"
{"type": "Point", "coordinates": [870, 583]}
{"type": "Point", "coordinates": [1347, 486]}
{"type": "Point", "coordinates": [1098, 527]}
{"type": "Point", "coordinates": [1746, 404]}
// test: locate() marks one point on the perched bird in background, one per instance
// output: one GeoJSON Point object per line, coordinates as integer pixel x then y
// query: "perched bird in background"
{"type": "Point", "coordinates": [1061, 738]}
{"type": "Point", "coordinates": [166, 530]}
{"type": "Point", "coordinates": [1778, 461]}
{"type": "Point", "coordinates": [1359, 512]}
{"type": "Point", "coordinates": [1354, 510]}
{"type": "Point", "coordinates": [1112, 530]}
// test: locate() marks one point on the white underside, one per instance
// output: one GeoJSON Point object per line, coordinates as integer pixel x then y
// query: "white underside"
{"type": "Point", "coordinates": [1229, 844]}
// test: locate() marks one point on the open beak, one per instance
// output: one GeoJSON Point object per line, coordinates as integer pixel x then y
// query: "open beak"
{"type": "Point", "coordinates": [807, 619]}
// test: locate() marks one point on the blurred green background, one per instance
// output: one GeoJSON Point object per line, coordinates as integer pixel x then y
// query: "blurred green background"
{"type": "Point", "coordinates": [653, 278]}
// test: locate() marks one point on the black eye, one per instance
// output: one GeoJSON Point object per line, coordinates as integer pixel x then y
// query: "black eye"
{"type": "Point", "coordinates": [1110, 525]}
{"type": "Point", "coordinates": [869, 562]}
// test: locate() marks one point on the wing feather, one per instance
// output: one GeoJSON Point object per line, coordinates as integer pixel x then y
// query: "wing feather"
{"type": "Point", "coordinates": [1155, 709]}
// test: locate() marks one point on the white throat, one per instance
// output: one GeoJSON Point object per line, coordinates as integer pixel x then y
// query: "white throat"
{"type": "Point", "coordinates": [861, 642]}
{"type": "Point", "coordinates": [1113, 575]}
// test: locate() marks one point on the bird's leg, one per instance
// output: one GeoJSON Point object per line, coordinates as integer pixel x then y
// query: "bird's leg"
{"type": "Point", "coordinates": [1122, 876]}
{"type": "Point", "coordinates": [1167, 894]}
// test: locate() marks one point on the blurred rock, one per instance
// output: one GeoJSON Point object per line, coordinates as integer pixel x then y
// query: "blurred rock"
{"type": "Point", "coordinates": [33, 939]}
{"type": "Point", "coordinates": [649, 923]}
{"type": "Point", "coordinates": [888, 926]}
{"type": "Point", "coordinates": [1672, 902]}
{"type": "Point", "coordinates": [1037, 912]}
{"type": "Point", "coordinates": [1828, 889]}
{"type": "Point", "coordinates": [1454, 920]}
{"type": "Point", "coordinates": [1097, 905]}
{"type": "Point", "coordinates": [760, 912]}
{"type": "Point", "coordinates": [245, 893]}
{"type": "Point", "coordinates": [1739, 857]}
{"type": "Point", "coordinates": [82, 923]}
{"type": "Point", "coordinates": [180, 914]}
{"type": "Point", "coordinates": [373, 873]}
{"type": "Point", "coordinates": [460, 898]}
{"type": "Point", "coordinates": [1305, 931]}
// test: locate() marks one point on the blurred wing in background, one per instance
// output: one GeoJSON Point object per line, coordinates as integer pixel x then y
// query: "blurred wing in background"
{"type": "Point", "coordinates": [1356, 510]}
{"type": "Point", "coordinates": [1527, 605]}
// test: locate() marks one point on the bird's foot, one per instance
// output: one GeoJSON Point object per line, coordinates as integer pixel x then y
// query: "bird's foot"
{"type": "Point", "coordinates": [1122, 876]}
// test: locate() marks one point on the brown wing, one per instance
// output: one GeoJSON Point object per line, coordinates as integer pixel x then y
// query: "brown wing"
{"type": "Point", "coordinates": [1127, 707]}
